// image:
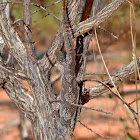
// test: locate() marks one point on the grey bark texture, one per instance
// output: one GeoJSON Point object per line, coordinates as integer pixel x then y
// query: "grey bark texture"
{"type": "Point", "coordinates": [54, 117]}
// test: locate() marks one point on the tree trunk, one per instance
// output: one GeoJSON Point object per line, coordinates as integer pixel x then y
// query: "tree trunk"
{"type": "Point", "coordinates": [53, 117]}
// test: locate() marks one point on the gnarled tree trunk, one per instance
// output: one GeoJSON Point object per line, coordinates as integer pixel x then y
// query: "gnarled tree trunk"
{"type": "Point", "coordinates": [54, 117]}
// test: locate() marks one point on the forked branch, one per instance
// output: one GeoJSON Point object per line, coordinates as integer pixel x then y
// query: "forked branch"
{"type": "Point", "coordinates": [120, 75]}
{"type": "Point", "coordinates": [79, 29]}
{"type": "Point", "coordinates": [94, 21]}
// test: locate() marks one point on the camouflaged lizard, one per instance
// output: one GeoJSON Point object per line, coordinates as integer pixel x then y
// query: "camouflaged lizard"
{"type": "Point", "coordinates": [69, 85]}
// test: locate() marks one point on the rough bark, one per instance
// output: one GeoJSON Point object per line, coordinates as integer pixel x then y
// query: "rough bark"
{"type": "Point", "coordinates": [54, 117]}
{"type": "Point", "coordinates": [117, 77]}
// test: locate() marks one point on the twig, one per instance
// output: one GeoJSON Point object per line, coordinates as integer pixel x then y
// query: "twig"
{"type": "Point", "coordinates": [81, 106]}
{"type": "Point", "coordinates": [31, 3]}
{"type": "Point", "coordinates": [114, 36]}
{"type": "Point", "coordinates": [43, 17]}
{"type": "Point", "coordinates": [18, 20]}
{"type": "Point", "coordinates": [111, 79]}
{"type": "Point", "coordinates": [132, 110]}
{"type": "Point", "coordinates": [47, 6]}
{"type": "Point", "coordinates": [16, 75]}
{"type": "Point", "coordinates": [134, 101]}
{"type": "Point", "coordinates": [54, 3]}
{"type": "Point", "coordinates": [108, 137]}
{"type": "Point", "coordinates": [43, 8]}
{"type": "Point", "coordinates": [99, 110]}
{"type": "Point", "coordinates": [37, 11]}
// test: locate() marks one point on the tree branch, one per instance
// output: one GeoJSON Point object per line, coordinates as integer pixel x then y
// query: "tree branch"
{"type": "Point", "coordinates": [123, 73]}
{"type": "Point", "coordinates": [49, 59]}
{"type": "Point", "coordinates": [10, 83]}
{"type": "Point", "coordinates": [79, 29]}
{"type": "Point", "coordinates": [18, 94]}
{"type": "Point", "coordinates": [11, 39]}
{"type": "Point", "coordinates": [28, 30]}
{"type": "Point", "coordinates": [88, 24]}
{"type": "Point", "coordinates": [73, 6]}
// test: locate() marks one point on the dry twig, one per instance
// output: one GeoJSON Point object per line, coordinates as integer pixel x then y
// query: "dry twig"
{"type": "Point", "coordinates": [108, 137]}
